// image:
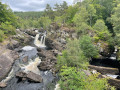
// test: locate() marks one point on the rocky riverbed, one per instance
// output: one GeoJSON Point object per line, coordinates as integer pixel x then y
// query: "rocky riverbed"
{"type": "Point", "coordinates": [27, 66]}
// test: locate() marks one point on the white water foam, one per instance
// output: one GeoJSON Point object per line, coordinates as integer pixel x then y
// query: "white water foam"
{"type": "Point", "coordinates": [32, 66]}
{"type": "Point", "coordinates": [41, 43]}
{"type": "Point", "coordinates": [112, 76]}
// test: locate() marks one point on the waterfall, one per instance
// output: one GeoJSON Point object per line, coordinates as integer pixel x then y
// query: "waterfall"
{"type": "Point", "coordinates": [40, 43]}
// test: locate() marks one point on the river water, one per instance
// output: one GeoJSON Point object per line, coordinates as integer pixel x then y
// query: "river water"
{"type": "Point", "coordinates": [14, 83]}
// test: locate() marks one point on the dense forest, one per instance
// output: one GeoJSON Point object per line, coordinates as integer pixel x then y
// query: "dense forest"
{"type": "Point", "coordinates": [8, 21]}
{"type": "Point", "coordinates": [93, 21]}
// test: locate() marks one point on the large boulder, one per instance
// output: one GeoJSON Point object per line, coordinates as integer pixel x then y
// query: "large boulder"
{"type": "Point", "coordinates": [45, 65]}
{"type": "Point", "coordinates": [22, 37]}
{"type": "Point", "coordinates": [53, 44]}
{"type": "Point", "coordinates": [48, 59]}
{"type": "Point", "coordinates": [104, 48]}
{"type": "Point", "coordinates": [7, 58]}
{"type": "Point", "coordinates": [30, 76]}
{"type": "Point", "coordinates": [13, 44]}
{"type": "Point", "coordinates": [34, 77]}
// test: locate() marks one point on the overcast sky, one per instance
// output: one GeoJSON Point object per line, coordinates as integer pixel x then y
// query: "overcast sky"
{"type": "Point", "coordinates": [32, 5]}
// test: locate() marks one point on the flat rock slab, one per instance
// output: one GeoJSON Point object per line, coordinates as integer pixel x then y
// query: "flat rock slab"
{"type": "Point", "coordinates": [34, 77]}
{"type": "Point", "coordinates": [30, 76]}
{"type": "Point", "coordinates": [105, 70]}
{"type": "Point", "coordinates": [112, 81]}
{"type": "Point", "coordinates": [7, 58]}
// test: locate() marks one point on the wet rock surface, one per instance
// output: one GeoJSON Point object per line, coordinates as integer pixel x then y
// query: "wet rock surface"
{"type": "Point", "coordinates": [22, 37]}
{"type": "Point", "coordinates": [7, 58]}
{"type": "Point", "coordinates": [24, 78]}
{"type": "Point", "coordinates": [48, 61]}
{"type": "Point", "coordinates": [30, 76]}
{"type": "Point", "coordinates": [13, 44]}
{"type": "Point", "coordinates": [34, 77]}
{"type": "Point", "coordinates": [53, 45]}
{"type": "Point", "coordinates": [105, 70]}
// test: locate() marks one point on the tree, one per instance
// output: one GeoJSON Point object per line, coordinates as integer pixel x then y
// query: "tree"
{"type": "Point", "coordinates": [115, 19]}
{"type": "Point", "coordinates": [80, 20]}
{"type": "Point", "coordinates": [80, 17]}
{"type": "Point", "coordinates": [70, 13]}
{"type": "Point", "coordinates": [64, 5]}
{"type": "Point", "coordinates": [100, 25]}
{"type": "Point", "coordinates": [73, 78]}
{"type": "Point", "coordinates": [49, 12]}
{"type": "Point", "coordinates": [60, 9]}
{"type": "Point", "coordinates": [7, 21]}
{"type": "Point", "coordinates": [44, 22]}
{"type": "Point", "coordinates": [6, 15]}
{"type": "Point", "coordinates": [101, 30]}
{"type": "Point", "coordinates": [72, 56]}
{"type": "Point", "coordinates": [57, 7]}
{"type": "Point", "coordinates": [87, 47]}
{"type": "Point", "coordinates": [92, 12]}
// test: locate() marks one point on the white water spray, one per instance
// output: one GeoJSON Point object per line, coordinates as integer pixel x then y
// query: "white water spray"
{"type": "Point", "coordinates": [40, 43]}
{"type": "Point", "coordinates": [32, 66]}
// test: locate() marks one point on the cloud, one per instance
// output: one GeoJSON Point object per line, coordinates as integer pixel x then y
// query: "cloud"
{"type": "Point", "coordinates": [32, 5]}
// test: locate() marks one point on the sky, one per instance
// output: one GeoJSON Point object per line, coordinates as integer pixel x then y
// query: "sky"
{"type": "Point", "coordinates": [32, 5]}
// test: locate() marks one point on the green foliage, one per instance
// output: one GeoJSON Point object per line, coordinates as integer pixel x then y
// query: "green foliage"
{"type": "Point", "coordinates": [7, 22]}
{"type": "Point", "coordinates": [7, 28]}
{"type": "Point", "coordinates": [81, 17]}
{"type": "Point", "coordinates": [44, 22]}
{"type": "Point", "coordinates": [6, 15]}
{"type": "Point", "coordinates": [58, 20]}
{"type": "Point", "coordinates": [100, 26]}
{"type": "Point", "coordinates": [75, 79]}
{"type": "Point", "coordinates": [60, 8]}
{"type": "Point", "coordinates": [115, 19]}
{"type": "Point", "coordinates": [49, 12]}
{"type": "Point", "coordinates": [92, 12]}
{"type": "Point", "coordinates": [83, 29]}
{"type": "Point", "coordinates": [87, 47]}
{"type": "Point", "coordinates": [1, 36]}
{"type": "Point", "coordinates": [29, 15]}
{"type": "Point", "coordinates": [102, 30]}
{"type": "Point", "coordinates": [73, 56]}
{"type": "Point", "coordinates": [69, 14]}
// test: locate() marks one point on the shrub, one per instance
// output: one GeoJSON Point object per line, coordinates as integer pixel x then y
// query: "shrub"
{"type": "Point", "coordinates": [87, 47]}
{"type": "Point", "coordinates": [72, 56]}
{"type": "Point", "coordinates": [75, 79]}
{"type": "Point", "coordinates": [101, 30]}
{"type": "Point", "coordinates": [83, 29]}
{"type": "Point", "coordinates": [7, 28]}
{"type": "Point", "coordinates": [44, 22]}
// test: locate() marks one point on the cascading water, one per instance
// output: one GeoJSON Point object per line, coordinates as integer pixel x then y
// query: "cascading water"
{"type": "Point", "coordinates": [41, 43]}
{"type": "Point", "coordinates": [31, 66]}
